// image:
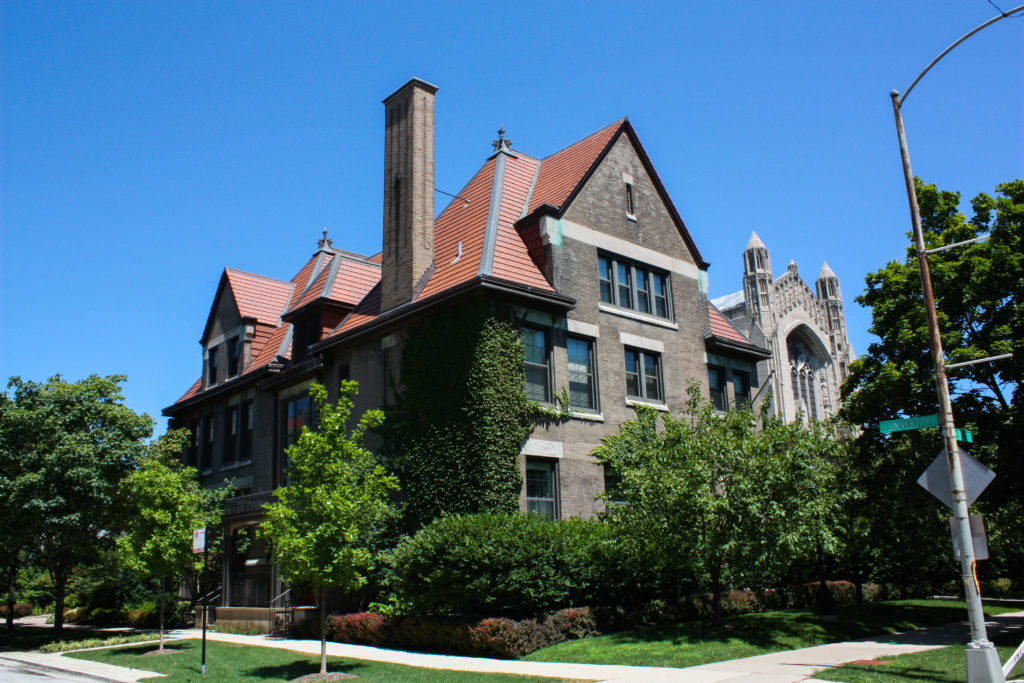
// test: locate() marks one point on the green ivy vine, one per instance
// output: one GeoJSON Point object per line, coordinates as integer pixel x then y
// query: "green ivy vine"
{"type": "Point", "coordinates": [461, 414]}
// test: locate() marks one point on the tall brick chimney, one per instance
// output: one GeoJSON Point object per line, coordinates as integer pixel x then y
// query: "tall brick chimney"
{"type": "Point", "coordinates": [408, 191]}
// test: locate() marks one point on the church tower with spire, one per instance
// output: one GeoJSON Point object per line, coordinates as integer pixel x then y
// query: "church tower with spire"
{"type": "Point", "coordinates": [757, 280]}
{"type": "Point", "coordinates": [804, 329]}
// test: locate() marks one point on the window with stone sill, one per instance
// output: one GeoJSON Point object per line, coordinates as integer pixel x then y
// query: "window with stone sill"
{"type": "Point", "coordinates": [634, 286]}
{"type": "Point", "coordinates": [234, 356]}
{"type": "Point", "coordinates": [211, 366]}
{"type": "Point", "coordinates": [741, 386]}
{"type": "Point", "coordinates": [206, 455]}
{"type": "Point", "coordinates": [542, 487]}
{"type": "Point", "coordinates": [230, 435]}
{"type": "Point", "coordinates": [537, 366]}
{"type": "Point", "coordinates": [643, 375]}
{"type": "Point", "coordinates": [716, 385]}
{"type": "Point", "coordinates": [582, 374]}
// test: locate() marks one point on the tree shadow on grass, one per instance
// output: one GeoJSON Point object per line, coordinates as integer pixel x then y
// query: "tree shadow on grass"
{"type": "Point", "coordinates": [882, 673]}
{"type": "Point", "coordinates": [302, 667]}
{"type": "Point", "coordinates": [797, 628]}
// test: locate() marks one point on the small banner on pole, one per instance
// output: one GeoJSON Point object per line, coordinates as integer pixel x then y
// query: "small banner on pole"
{"type": "Point", "coordinates": [977, 537]}
{"type": "Point", "coordinates": [198, 541]}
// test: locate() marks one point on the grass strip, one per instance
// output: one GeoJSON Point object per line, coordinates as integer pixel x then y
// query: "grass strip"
{"type": "Point", "coordinates": [945, 665]}
{"type": "Point", "coordinates": [230, 663]}
{"type": "Point", "coordinates": [694, 643]}
{"type": "Point", "coordinates": [65, 645]}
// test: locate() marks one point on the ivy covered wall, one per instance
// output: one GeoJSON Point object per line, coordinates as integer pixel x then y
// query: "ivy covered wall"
{"type": "Point", "coordinates": [461, 414]}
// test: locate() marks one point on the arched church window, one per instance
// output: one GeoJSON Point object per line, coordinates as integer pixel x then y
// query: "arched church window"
{"type": "Point", "coordinates": [811, 400]}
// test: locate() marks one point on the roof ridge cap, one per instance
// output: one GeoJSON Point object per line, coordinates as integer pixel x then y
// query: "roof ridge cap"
{"type": "Point", "coordinates": [493, 215]}
{"type": "Point", "coordinates": [264, 277]}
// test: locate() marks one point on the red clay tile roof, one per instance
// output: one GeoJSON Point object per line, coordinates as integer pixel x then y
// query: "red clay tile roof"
{"type": "Point", "coordinates": [461, 224]}
{"type": "Point", "coordinates": [271, 349]}
{"type": "Point", "coordinates": [258, 297]}
{"type": "Point", "coordinates": [307, 274]}
{"type": "Point", "coordinates": [354, 281]}
{"type": "Point", "coordinates": [366, 311]}
{"type": "Point", "coordinates": [467, 227]}
{"type": "Point", "coordinates": [562, 172]}
{"type": "Point", "coordinates": [512, 260]}
{"type": "Point", "coordinates": [192, 391]}
{"type": "Point", "coordinates": [723, 328]}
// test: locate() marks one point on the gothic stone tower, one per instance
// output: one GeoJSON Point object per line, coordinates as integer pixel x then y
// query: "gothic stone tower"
{"type": "Point", "coordinates": [805, 331]}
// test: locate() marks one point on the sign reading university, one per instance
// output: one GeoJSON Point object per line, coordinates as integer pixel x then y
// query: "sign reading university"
{"type": "Point", "coordinates": [921, 422]}
{"type": "Point", "coordinates": [905, 425]}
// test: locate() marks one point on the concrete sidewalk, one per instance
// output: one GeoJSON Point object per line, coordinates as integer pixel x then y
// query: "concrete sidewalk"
{"type": "Point", "coordinates": [779, 667]}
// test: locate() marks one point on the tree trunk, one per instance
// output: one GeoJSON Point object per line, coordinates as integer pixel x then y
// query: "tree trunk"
{"type": "Point", "coordinates": [323, 633]}
{"type": "Point", "coordinates": [161, 647]}
{"type": "Point", "coordinates": [716, 595]}
{"type": "Point", "coordinates": [10, 604]}
{"type": "Point", "coordinates": [59, 587]}
{"type": "Point", "coordinates": [858, 589]}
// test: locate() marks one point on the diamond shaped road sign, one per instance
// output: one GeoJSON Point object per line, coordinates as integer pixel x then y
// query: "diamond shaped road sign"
{"type": "Point", "coordinates": [935, 479]}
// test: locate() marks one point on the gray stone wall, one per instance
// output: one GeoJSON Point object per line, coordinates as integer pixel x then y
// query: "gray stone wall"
{"type": "Point", "coordinates": [600, 210]}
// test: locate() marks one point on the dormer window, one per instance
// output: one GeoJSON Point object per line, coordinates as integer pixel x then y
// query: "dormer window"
{"type": "Point", "coordinates": [211, 366]}
{"type": "Point", "coordinates": [234, 356]}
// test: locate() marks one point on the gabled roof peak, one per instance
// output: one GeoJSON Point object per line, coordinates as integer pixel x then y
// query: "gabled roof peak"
{"type": "Point", "coordinates": [755, 242]}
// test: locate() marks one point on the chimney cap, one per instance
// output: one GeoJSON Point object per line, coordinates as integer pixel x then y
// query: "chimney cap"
{"type": "Point", "coordinates": [412, 83]}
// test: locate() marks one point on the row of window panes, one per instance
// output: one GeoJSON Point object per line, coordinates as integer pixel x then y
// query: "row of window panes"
{"type": "Point", "coordinates": [643, 371]}
{"type": "Point", "coordinates": [632, 286]}
{"type": "Point", "coordinates": [717, 384]}
{"type": "Point", "coordinates": [234, 360]}
{"type": "Point", "coordinates": [238, 423]}
{"type": "Point", "coordinates": [542, 486]}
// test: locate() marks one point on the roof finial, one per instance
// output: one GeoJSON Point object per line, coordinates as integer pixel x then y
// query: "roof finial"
{"type": "Point", "coordinates": [501, 143]}
{"type": "Point", "coordinates": [324, 241]}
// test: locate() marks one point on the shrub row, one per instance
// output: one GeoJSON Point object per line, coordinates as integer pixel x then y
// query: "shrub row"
{"type": "Point", "coordinates": [698, 605]}
{"type": "Point", "coordinates": [143, 615]}
{"type": "Point", "coordinates": [499, 637]}
{"type": "Point", "coordinates": [21, 609]}
{"type": "Point", "coordinates": [493, 564]}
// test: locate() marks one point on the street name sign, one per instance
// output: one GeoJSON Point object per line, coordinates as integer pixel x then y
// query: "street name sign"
{"type": "Point", "coordinates": [935, 479]}
{"type": "Point", "coordinates": [909, 423]}
{"type": "Point", "coordinates": [920, 422]}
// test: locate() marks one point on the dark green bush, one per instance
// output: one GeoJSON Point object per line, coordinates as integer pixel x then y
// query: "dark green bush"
{"type": "Point", "coordinates": [146, 614]}
{"type": "Point", "coordinates": [496, 564]}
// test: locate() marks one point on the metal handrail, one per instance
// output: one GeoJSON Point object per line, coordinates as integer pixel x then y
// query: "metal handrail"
{"type": "Point", "coordinates": [271, 610]}
{"type": "Point", "coordinates": [205, 599]}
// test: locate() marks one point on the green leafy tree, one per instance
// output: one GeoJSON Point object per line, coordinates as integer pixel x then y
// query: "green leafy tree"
{"type": "Point", "coordinates": [77, 442]}
{"type": "Point", "coordinates": [337, 489]}
{"type": "Point", "coordinates": [979, 293]}
{"type": "Point", "coordinates": [732, 504]}
{"type": "Point", "coordinates": [168, 505]}
{"type": "Point", "coordinates": [15, 486]}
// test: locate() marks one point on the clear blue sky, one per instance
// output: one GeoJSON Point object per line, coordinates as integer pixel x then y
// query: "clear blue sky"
{"type": "Point", "coordinates": [145, 146]}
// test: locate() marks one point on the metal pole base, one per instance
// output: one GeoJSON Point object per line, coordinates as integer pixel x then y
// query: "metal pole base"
{"type": "Point", "coordinates": [983, 665]}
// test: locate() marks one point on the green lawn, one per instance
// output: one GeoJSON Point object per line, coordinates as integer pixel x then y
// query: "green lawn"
{"type": "Point", "coordinates": [227, 663]}
{"type": "Point", "coordinates": [934, 666]}
{"type": "Point", "coordinates": [694, 643]}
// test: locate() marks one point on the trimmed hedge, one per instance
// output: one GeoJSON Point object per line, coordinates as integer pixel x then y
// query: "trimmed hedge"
{"type": "Point", "coordinates": [21, 609]}
{"type": "Point", "coordinates": [498, 637]}
{"type": "Point", "coordinates": [498, 565]}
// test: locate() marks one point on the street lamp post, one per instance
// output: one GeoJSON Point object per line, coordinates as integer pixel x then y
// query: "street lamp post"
{"type": "Point", "coordinates": [982, 658]}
